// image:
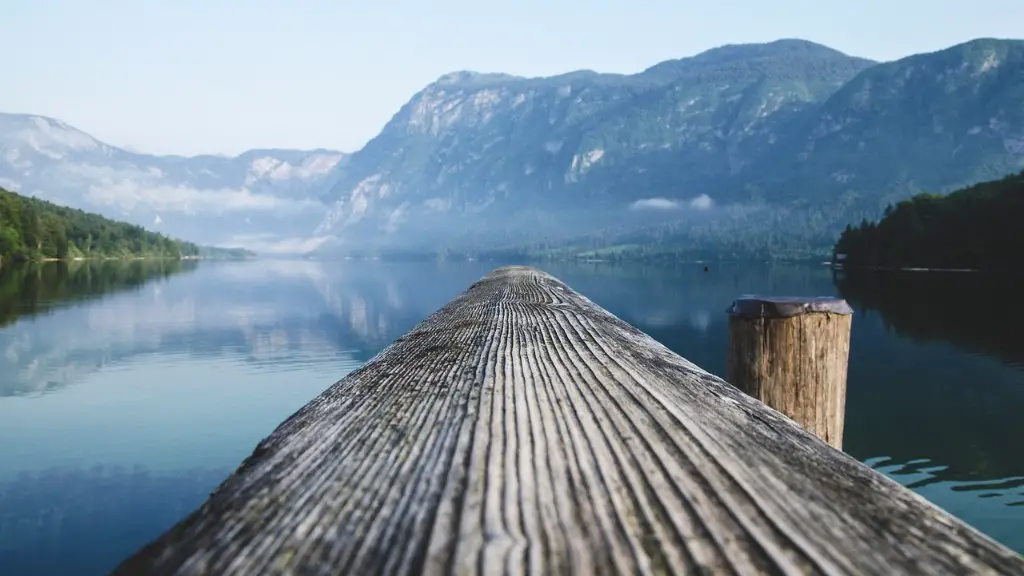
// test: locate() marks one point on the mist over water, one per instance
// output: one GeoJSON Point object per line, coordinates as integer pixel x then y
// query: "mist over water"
{"type": "Point", "coordinates": [128, 394]}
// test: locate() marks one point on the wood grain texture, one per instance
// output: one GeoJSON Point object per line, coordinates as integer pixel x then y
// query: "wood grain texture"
{"type": "Point", "coordinates": [523, 429]}
{"type": "Point", "coordinates": [795, 360]}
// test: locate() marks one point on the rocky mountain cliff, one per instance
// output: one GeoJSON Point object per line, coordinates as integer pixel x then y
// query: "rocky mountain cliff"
{"type": "Point", "coordinates": [262, 198]}
{"type": "Point", "coordinates": [775, 145]}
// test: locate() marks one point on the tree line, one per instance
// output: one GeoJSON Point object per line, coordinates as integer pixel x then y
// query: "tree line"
{"type": "Point", "coordinates": [978, 227]}
{"type": "Point", "coordinates": [33, 229]}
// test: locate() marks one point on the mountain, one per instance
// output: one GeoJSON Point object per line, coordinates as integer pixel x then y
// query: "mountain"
{"type": "Point", "coordinates": [754, 149]}
{"type": "Point", "coordinates": [260, 199]}
{"type": "Point", "coordinates": [750, 147]}
{"type": "Point", "coordinates": [935, 122]}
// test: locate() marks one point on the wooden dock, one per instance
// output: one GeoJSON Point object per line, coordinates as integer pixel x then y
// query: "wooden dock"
{"type": "Point", "coordinates": [523, 429]}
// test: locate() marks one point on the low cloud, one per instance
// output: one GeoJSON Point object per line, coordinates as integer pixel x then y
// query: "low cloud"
{"type": "Point", "coordinates": [702, 202]}
{"type": "Point", "coordinates": [654, 204]}
{"type": "Point", "coordinates": [131, 188]}
{"type": "Point", "coordinates": [128, 195]}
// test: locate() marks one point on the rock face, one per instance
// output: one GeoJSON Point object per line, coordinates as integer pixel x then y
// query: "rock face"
{"type": "Point", "coordinates": [763, 140]}
{"type": "Point", "coordinates": [258, 198]}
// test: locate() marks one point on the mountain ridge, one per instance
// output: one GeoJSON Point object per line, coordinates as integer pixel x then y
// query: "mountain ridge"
{"type": "Point", "coordinates": [768, 148]}
{"type": "Point", "coordinates": [260, 196]}
{"type": "Point", "coordinates": [767, 129]}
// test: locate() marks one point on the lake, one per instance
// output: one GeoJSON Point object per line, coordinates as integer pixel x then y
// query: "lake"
{"type": "Point", "coordinates": [128, 391]}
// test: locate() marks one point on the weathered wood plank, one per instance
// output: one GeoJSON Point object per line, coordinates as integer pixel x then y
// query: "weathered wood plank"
{"type": "Point", "coordinates": [792, 354]}
{"type": "Point", "coordinates": [522, 428]}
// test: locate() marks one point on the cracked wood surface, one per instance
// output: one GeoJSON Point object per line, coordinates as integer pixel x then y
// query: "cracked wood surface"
{"type": "Point", "coordinates": [523, 429]}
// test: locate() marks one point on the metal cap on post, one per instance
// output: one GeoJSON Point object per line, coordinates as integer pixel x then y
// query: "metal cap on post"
{"type": "Point", "coordinates": [792, 354]}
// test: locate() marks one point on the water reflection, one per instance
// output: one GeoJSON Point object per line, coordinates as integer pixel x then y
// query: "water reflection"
{"type": "Point", "coordinates": [187, 372]}
{"type": "Point", "coordinates": [60, 518]}
{"type": "Point", "coordinates": [936, 390]}
{"type": "Point", "coordinates": [976, 312]}
{"type": "Point", "coordinates": [941, 383]}
{"type": "Point", "coordinates": [38, 288]}
{"type": "Point", "coordinates": [268, 313]}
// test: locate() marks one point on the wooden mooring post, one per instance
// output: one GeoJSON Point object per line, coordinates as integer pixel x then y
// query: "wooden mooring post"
{"type": "Point", "coordinates": [523, 429]}
{"type": "Point", "coordinates": [792, 354]}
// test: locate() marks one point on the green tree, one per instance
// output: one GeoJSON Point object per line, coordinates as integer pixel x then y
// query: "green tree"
{"type": "Point", "coordinates": [976, 227]}
{"type": "Point", "coordinates": [32, 229]}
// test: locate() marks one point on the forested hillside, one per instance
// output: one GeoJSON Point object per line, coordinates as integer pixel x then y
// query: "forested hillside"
{"type": "Point", "coordinates": [978, 227]}
{"type": "Point", "coordinates": [32, 229]}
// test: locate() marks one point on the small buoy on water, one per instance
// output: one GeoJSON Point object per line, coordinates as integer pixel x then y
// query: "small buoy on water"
{"type": "Point", "coordinates": [705, 268]}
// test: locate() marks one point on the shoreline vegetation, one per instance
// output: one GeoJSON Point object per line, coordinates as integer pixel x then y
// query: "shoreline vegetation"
{"type": "Point", "coordinates": [34, 230]}
{"type": "Point", "coordinates": [974, 229]}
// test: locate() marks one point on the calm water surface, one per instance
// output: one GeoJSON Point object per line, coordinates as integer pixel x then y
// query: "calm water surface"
{"type": "Point", "coordinates": [128, 392]}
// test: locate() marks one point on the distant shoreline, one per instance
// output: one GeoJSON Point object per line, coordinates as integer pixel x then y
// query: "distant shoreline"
{"type": "Point", "coordinates": [818, 260]}
{"type": "Point", "coordinates": [907, 269]}
{"type": "Point", "coordinates": [119, 258]}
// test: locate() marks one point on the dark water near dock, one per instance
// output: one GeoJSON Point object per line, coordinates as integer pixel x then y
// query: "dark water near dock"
{"type": "Point", "coordinates": [129, 391]}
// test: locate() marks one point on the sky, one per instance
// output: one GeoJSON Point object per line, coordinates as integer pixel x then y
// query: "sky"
{"type": "Point", "coordinates": [223, 76]}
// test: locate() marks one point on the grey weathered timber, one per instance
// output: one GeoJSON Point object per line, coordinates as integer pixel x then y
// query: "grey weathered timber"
{"type": "Point", "coordinates": [523, 429]}
{"type": "Point", "coordinates": [792, 354]}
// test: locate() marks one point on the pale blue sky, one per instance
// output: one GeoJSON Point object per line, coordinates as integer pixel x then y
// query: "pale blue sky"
{"type": "Point", "coordinates": [222, 76]}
